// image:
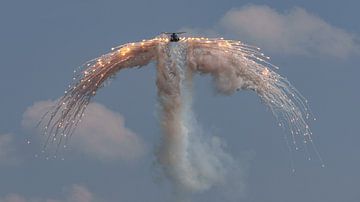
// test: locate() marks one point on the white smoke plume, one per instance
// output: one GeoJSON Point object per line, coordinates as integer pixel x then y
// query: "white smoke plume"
{"type": "Point", "coordinates": [192, 162]}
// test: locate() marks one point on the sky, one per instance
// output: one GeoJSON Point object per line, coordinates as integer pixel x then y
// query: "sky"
{"type": "Point", "coordinates": [315, 44]}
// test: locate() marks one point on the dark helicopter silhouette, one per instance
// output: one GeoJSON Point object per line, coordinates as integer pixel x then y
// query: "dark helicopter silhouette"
{"type": "Point", "coordinates": [174, 36]}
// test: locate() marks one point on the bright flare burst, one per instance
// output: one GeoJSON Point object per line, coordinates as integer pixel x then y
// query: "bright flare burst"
{"type": "Point", "coordinates": [232, 64]}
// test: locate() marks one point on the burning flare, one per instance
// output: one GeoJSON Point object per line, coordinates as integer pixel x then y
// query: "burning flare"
{"type": "Point", "coordinates": [233, 65]}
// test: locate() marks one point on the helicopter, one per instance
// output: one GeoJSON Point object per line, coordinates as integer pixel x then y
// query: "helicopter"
{"type": "Point", "coordinates": [173, 36]}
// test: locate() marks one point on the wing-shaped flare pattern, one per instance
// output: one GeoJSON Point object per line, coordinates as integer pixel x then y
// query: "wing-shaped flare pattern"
{"type": "Point", "coordinates": [233, 65]}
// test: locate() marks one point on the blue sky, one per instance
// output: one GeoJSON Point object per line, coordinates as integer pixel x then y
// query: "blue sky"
{"type": "Point", "coordinates": [316, 44]}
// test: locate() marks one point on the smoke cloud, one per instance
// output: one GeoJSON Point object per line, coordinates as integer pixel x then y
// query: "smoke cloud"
{"type": "Point", "coordinates": [191, 159]}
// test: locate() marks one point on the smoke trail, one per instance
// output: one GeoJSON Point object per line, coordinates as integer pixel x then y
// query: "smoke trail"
{"type": "Point", "coordinates": [189, 162]}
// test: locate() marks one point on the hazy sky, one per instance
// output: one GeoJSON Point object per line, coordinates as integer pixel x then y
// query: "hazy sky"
{"type": "Point", "coordinates": [316, 44]}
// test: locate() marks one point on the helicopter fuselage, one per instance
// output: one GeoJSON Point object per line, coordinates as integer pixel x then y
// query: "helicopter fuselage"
{"type": "Point", "coordinates": [174, 37]}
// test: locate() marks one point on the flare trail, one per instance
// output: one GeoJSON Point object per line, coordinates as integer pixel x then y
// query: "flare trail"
{"type": "Point", "coordinates": [233, 66]}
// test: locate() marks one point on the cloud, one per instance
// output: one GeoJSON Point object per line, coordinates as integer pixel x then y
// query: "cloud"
{"type": "Point", "coordinates": [80, 194]}
{"type": "Point", "coordinates": [101, 134]}
{"type": "Point", "coordinates": [13, 198]}
{"type": "Point", "coordinates": [7, 150]}
{"type": "Point", "coordinates": [294, 32]}
{"type": "Point", "coordinates": [76, 193]}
